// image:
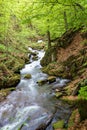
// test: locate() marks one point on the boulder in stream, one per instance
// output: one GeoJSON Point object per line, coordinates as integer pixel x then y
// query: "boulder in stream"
{"type": "Point", "coordinates": [58, 94]}
{"type": "Point", "coordinates": [41, 82]}
{"type": "Point", "coordinates": [51, 79]}
{"type": "Point", "coordinates": [27, 76]}
{"type": "Point", "coordinates": [35, 57]}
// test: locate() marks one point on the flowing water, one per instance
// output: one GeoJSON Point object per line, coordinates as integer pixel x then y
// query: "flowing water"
{"type": "Point", "coordinates": [30, 105]}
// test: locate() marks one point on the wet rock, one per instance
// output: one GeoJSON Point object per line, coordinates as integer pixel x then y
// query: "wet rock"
{"type": "Point", "coordinates": [41, 127]}
{"type": "Point", "coordinates": [51, 79]}
{"type": "Point", "coordinates": [41, 82]}
{"type": "Point", "coordinates": [75, 91]}
{"type": "Point", "coordinates": [58, 94]}
{"type": "Point", "coordinates": [58, 86]}
{"type": "Point", "coordinates": [57, 90]}
{"type": "Point", "coordinates": [26, 59]}
{"type": "Point", "coordinates": [29, 55]}
{"type": "Point", "coordinates": [35, 58]}
{"type": "Point", "coordinates": [27, 76]}
{"type": "Point", "coordinates": [34, 53]}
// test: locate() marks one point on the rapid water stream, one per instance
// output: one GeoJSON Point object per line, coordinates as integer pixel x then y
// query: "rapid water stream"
{"type": "Point", "coordinates": [31, 105]}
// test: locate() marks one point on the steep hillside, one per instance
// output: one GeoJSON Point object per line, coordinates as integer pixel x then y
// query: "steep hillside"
{"type": "Point", "coordinates": [71, 63]}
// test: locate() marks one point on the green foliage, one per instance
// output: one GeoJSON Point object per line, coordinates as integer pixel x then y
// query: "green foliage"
{"type": "Point", "coordinates": [22, 20]}
{"type": "Point", "coordinates": [2, 48]}
{"type": "Point", "coordinates": [59, 124]}
{"type": "Point", "coordinates": [83, 92]}
{"type": "Point", "coordinates": [49, 15]}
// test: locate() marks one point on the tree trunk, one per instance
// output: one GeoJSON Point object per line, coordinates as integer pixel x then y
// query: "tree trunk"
{"type": "Point", "coordinates": [49, 40]}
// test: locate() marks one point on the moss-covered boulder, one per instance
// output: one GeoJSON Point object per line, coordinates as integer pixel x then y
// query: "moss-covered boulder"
{"type": "Point", "coordinates": [35, 58]}
{"type": "Point", "coordinates": [27, 76]}
{"type": "Point", "coordinates": [41, 82]}
{"type": "Point", "coordinates": [5, 92]}
{"type": "Point", "coordinates": [18, 67]}
{"type": "Point", "coordinates": [51, 79]}
{"type": "Point", "coordinates": [34, 53]}
{"type": "Point", "coordinates": [58, 125]}
{"type": "Point", "coordinates": [13, 81]}
{"type": "Point", "coordinates": [58, 94]}
{"type": "Point", "coordinates": [50, 56]}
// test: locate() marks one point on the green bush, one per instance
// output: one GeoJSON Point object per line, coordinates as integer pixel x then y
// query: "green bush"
{"type": "Point", "coordinates": [83, 92]}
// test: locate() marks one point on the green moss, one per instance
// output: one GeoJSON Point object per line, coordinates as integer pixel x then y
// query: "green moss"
{"type": "Point", "coordinates": [58, 124]}
{"type": "Point", "coordinates": [27, 76]}
{"type": "Point", "coordinates": [41, 82]}
{"type": "Point", "coordinates": [13, 81]}
{"type": "Point", "coordinates": [58, 94]}
{"type": "Point", "coordinates": [73, 118]}
{"type": "Point", "coordinates": [2, 48]}
{"type": "Point", "coordinates": [51, 79]}
{"type": "Point", "coordinates": [83, 92]}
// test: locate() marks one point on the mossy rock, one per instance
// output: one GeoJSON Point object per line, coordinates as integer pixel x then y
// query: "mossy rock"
{"type": "Point", "coordinates": [35, 58]}
{"type": "Point", "coordinates": [41, 82]}
{"type": "Point", "coordinates": [26, 59]}
{"type": "Point", "coordinates": [58, 125]}
{"type": "Point", "coordinates": [50, 56]}
{"type": "Point", "coordinates": [51, 79]}
{"type": "Point", "coordinates": [17, 68]}
{"type": "Point", "coordinates": [13, 81]}
{"type": "Point", "coordinates": [27, 76]}
{"type": "Point", "coordinates": [34, 53]}
{"type": "Point", "coordinates": [58, 94]}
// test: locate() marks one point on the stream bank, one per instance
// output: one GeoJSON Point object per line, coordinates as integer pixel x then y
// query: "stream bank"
{"type": "Point", "coordinates": [71, 63]}
{"type": "Point", "coordinates": [11, 62]}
